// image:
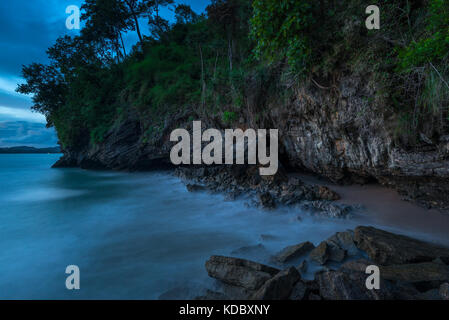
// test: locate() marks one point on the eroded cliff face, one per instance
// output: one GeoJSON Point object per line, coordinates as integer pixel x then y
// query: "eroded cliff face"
{"type": "Point", "coordinates": [343, 132]}
{"type": "Point", "coordinates": [340, 130]}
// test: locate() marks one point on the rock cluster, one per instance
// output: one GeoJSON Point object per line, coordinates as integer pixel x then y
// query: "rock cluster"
{"type": "Point", "coordinates": [265, 192]}
{"type": "Point", "coordinates": [409, 269]}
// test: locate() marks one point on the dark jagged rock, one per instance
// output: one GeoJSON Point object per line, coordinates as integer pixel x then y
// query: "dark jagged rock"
{"type": "Point", "coordinates": [416, 272]}
{"type": "Point", "coordinates": [338, 285]}
{"type": "Point", "coordinates": [239, 272]}
{"type": "Point", "coordinates": [387, 248]}
{"type": "Point", "coordinates": [327, 209]}
{"type": "Point", "coordinates": [355, 265]}
{"type": "Point", "coordinates": [292, 252]}
{"type": "Point", "coordinates": [345, 241]}
{"type": "Point", "coordinates": [327, 194]}
{"type": "Point", "coordinates": [320, 254]}
{"type": "Point", "coordinates": [266, 200]}
{"type": "Point", "coordinates": [279, 287]}
{"type": "Point", "coordinates": [298, 291]}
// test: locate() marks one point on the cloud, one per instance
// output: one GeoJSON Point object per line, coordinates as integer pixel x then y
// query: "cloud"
{"type": "Point", "coordinates": [7, 113]}
{"type": "Point", "coordinates": [23, 133]}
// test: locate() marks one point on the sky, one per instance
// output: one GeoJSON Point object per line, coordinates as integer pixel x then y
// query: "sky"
{"type": "Point", "coordinates": [27, 29]}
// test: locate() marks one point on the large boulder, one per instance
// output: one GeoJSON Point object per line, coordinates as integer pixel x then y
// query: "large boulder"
{"type": "Point", "coordinates": [416, 272]}
{"type": "Point", "coordinates": [338, 285]}
{"type": "Point", "coordinates": [292, 252]}
{"type": "Point", "coordinates": [279, 287]}
{"type": "Point", "coordinates": [239, 272]}
{"type": "Point", "coordinates": [387, 248]}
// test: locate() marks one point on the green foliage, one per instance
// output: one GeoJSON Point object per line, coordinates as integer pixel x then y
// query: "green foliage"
{"type": "Point", "coordinates": [434, 44]}
{"type": "Point", "coordinates": [229, 117]}
{"type": "Point", "coordinates": [280, 27]}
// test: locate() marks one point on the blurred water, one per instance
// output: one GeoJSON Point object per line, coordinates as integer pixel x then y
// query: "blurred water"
{"type": "Point", "coordinates": [133, 235]}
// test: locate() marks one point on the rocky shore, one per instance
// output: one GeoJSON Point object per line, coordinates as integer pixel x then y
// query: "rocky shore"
{"type": "Point", "coordinates": [266, 192]}
{"type": "Point", "coordinates": [410, 269]}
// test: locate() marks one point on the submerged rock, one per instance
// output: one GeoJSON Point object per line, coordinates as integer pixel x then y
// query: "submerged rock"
{"type": "Point", "coordinates": [387, 248]}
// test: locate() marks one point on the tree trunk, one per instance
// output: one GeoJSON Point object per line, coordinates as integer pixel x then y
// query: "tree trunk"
{"type": "Point", "coordinates": [123, 44]}
{"type": "Point", "coordinates": [136, 21]}
{"type": "Point", "coordinates": [203, 81]}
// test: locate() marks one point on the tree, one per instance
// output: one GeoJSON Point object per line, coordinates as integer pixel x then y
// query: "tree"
{"type": "Point", "coordinates": [105, 22]}
{"type": "Point", "coordinates": [135, 10]}
{"type": "Point", "coordinates": [47, 86]}
{"type": "Point", "coordinates": [151, 9]}
{"type": "Point", "coordinates": [184, 14]}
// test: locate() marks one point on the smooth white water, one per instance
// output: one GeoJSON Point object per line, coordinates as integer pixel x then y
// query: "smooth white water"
{"type": "Point", "coordinates": [133, 235]}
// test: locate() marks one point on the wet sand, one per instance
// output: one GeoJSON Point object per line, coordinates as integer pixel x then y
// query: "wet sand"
{"type": "Point", "coordinates": [384, 207]}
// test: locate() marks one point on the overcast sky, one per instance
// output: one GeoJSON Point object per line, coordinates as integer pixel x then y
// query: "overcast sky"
{"type": "Point", "coordinates": [28, 28]}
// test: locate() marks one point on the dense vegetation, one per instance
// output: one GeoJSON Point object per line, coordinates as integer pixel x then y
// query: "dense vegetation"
{"type": "Point", "coordinates": [211, 62]}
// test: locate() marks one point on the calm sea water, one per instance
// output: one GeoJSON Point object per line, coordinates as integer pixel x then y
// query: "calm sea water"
{"type": "Point", "coordinates": [133, 235]}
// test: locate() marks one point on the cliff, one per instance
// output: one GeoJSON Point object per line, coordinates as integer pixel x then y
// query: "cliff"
{"type": "Point", "coordinates": [334, 133]}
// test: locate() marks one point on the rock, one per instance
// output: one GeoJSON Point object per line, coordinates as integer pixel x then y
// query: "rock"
{"type": "Point", "coordinates": [387, 248]}
{"type": "Point", "coordinates": [239, 272]}
{"type": "Point", "coordinates": [266, 200]}
{"type": "Point", "coordinates": [327, 209]}
{"type": "Point", "coordinates": [444, 291]}
{"type": "Point", "coordinates": [279, 287]}
{"type": "Point", "coordinates": [338, 285]}
{"type": "Point", "coordinates": [336, 253]}
{"type": "Point", "coordinates": [356, 265]}
{"type": "Point", "coordinates": [292, 252]}
{"type": "Point", "coordinates": [195, 188]}
{"type": "Point", "coordinates": [345, 241]}
{"type": "Point", "coordinates": [303, 267]}
{"type": "Point", "coordinates": [325, 193]}
{"type": "Point", "coordinates": [320, 254]}
{"type": "Point", "coordinates": [298, 291]}
{"type": "Point", "coordinates": [295, 181]}
{"type": "Point", "coordinates": [417, 272]}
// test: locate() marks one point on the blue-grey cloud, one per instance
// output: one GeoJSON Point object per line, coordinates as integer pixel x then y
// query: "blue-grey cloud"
{"type": "Point", "coordinates": [22, 133]}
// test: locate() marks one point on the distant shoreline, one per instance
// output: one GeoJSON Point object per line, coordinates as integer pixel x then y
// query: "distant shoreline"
{"type": "Point", "coordinates": [29, 150]}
